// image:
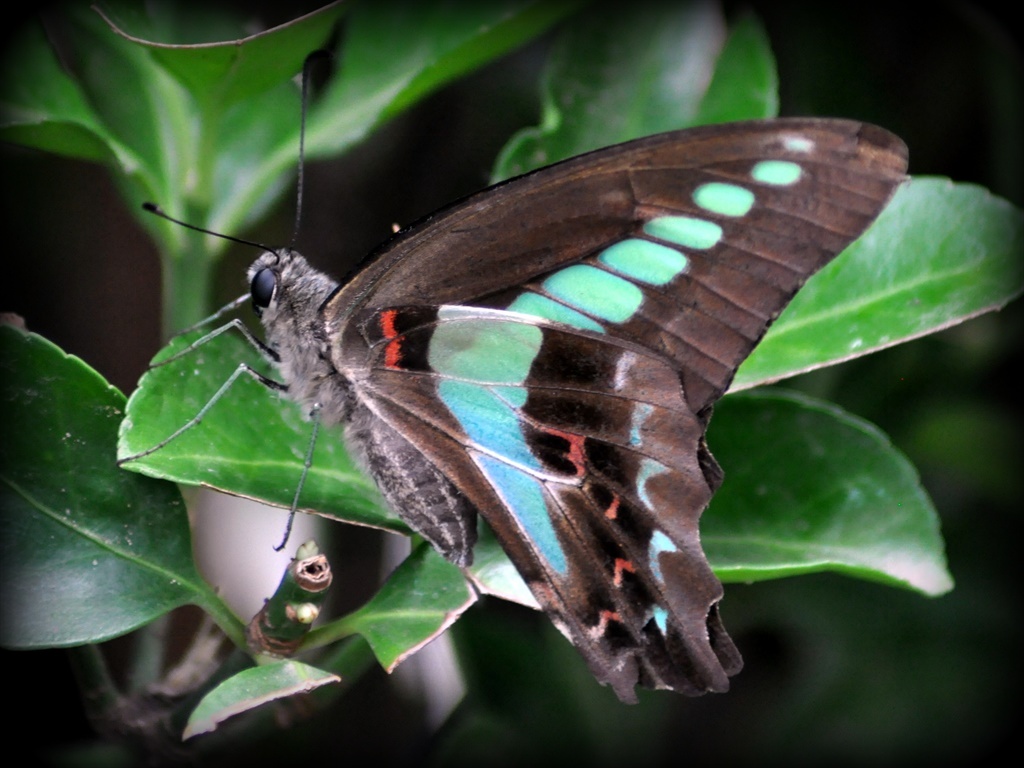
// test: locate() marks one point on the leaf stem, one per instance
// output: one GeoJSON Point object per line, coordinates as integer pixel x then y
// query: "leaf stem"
{"type": "Point", "coordinates": [187, 290]}
{"type": "Point", "coordinates": [99, 693]}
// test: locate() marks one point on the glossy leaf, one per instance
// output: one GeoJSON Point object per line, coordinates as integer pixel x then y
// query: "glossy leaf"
{"type": "Point", "coordinates": [941, 253]}
{"type": "Point", "coordinates": [252, 688]}
{"type": "Point", "coordinates": [394, 53]}
{"type": "Point", "coordinates": [43, 107]}
{"type": "Point", "coordinates": [493, 573]}
{"type": "Point", "coordinates": [810, 487]}
{"type": "Point", "coordinates": [223, 71]}
{"type": "Point", "coordinates": [807, 487]}
{"type": "Point", "coordinates": [745, 84]}
{"type": "Point", "coordinates": [598, 91]}
{"type": "Point", "coordinates": [419, 601]}
{"type": "Point", "coordinates": [89, 551]}
{"type": "Point", "coordinates": [155, 128]}
{"type": "Point", "coordinates": [252, 443]}
{"type": "Point", "coordinates": [220, 157]}
{"type": "Point", "coordinates": [390, 57]}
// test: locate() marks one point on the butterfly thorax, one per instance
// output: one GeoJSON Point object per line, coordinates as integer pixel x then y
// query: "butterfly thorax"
{"type": "Point", "coordinates": [287, 294]}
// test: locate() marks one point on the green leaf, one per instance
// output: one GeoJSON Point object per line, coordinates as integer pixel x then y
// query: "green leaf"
{"type": "Point", "coordinates": [806, 486]}
{"type": "Point", "coordinates": [211, 131]}
{"type": "Point", "coordinates": [941, 253]}
{"type": "Point", "coordinates": [252, 688]}
{"type": "Point", "coordinates": [391, 56]}
{"type": "Point", "coordinates": [493, 573]}
{"type": "Point", "coordinates": [620, 75]}
{"type": "Point", "coordinates": [251, 443]}
{"type": "Point", "coordinates": [151, 133]}
{"type": "Point", "coordinates": [42, 107]}
{"type": "Point", "coordinates": [224, 71]}
{"type": "Point", "coordinates": [809, 487]}
{"type": "Point", "coordinates": [242, 97]}
{"type": "Point", "coordinates": [395, 53]}
{"type": "Point", "coordinates": [89, 551]}
{"type": "Point", "coordinates": [423, 597]}
{"type": "Point", "coordinates": [745, 85]}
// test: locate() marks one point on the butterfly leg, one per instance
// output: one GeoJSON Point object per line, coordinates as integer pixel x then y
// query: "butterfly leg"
{"type": "Point", "coordinates": [314, 416]}
{"type": "Point", "coordinates": [415, 488]}
{"type": "Point", "coordinates": [243, 368]}
{"type": "Point", "coordinates": [266, 352]}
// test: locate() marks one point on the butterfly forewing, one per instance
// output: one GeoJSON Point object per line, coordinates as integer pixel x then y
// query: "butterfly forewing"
{"type": "Point", "coordinates": [750, 211]}
{"type": "Point", "coordinates": [552, 347]}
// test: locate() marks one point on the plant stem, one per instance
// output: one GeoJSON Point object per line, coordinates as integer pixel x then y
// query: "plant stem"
{"type": "Point", "coordinates": [187, 293]}
{"type": "Point", "coordinates": [98, 691]}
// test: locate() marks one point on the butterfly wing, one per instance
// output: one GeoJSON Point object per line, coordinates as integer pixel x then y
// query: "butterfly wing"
{"type": "Point", "coordinates": [582, 454]}
{"type": "Point", "coordinates": [553, 346]}
{"type": "Point", "coordinates": [753, 208]}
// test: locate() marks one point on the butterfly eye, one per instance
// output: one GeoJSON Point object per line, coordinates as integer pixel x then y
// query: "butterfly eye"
{"type": "Point", "coordinates": [262, 289]}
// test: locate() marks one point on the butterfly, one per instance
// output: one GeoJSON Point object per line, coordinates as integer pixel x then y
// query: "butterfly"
{"type": "Point", "coordinates": [546, 354]}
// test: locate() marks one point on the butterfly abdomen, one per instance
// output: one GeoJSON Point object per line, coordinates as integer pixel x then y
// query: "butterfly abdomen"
{"type": "Point", "coordinates": [413, 486]}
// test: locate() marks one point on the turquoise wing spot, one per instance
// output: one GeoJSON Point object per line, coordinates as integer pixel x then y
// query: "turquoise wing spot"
{"type": "Point", "coordinates": [649, 468]}
{"type": "Point", "coordinates": [488, 420]}
{"type": "Point", "coordinates": [484, 349]}
{"type": "Point", "coordinates": [686, 231]}
{"type": "Point", "coordinates": [514, 396]}
{"type": "Point", "coordinates": [661, 618]}
{"type": "Point", "coordinates": [659, 543]}
{"type": "Point", "coordinates": [645, 261]}
{"type": "Point", "coordinates": [640, 413]}
{"type": "Point", "coordinates": [595, 292]}
{"type": "Point", "coordinates": [500, 353]}
{"type": "Point", "coordinates": [530, 303]}
{"type": "Point", "coordinates": [798, 144]}
{"type": "Point", "coordinates": [724, 199]}
{"type": "Point", "coordinates": [524, 497]}
{"type": "Point", "coordinates": [779, 173]}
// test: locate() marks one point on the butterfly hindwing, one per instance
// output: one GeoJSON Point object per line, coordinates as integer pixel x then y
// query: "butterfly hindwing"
{"type": "Point", "coordinates": [581, 453]}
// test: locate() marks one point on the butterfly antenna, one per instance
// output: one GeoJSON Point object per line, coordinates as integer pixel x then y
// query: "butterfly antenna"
{"type": "Point", "coordinates": [234, 304]}
{"type": "Point", "coordinates": [307, 72]}
{"type": "Point", "coordinates": [157, 210]}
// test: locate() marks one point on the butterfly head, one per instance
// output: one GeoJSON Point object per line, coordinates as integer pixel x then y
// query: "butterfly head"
{"type": "Point", "coordinates": [287, 294]}
{"type": "Point", "coordinates": [265, 276]}
{"type": "Point", "coordinates": [262, 285]}
{"type": "Point", "coordinates": [282, 281]}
